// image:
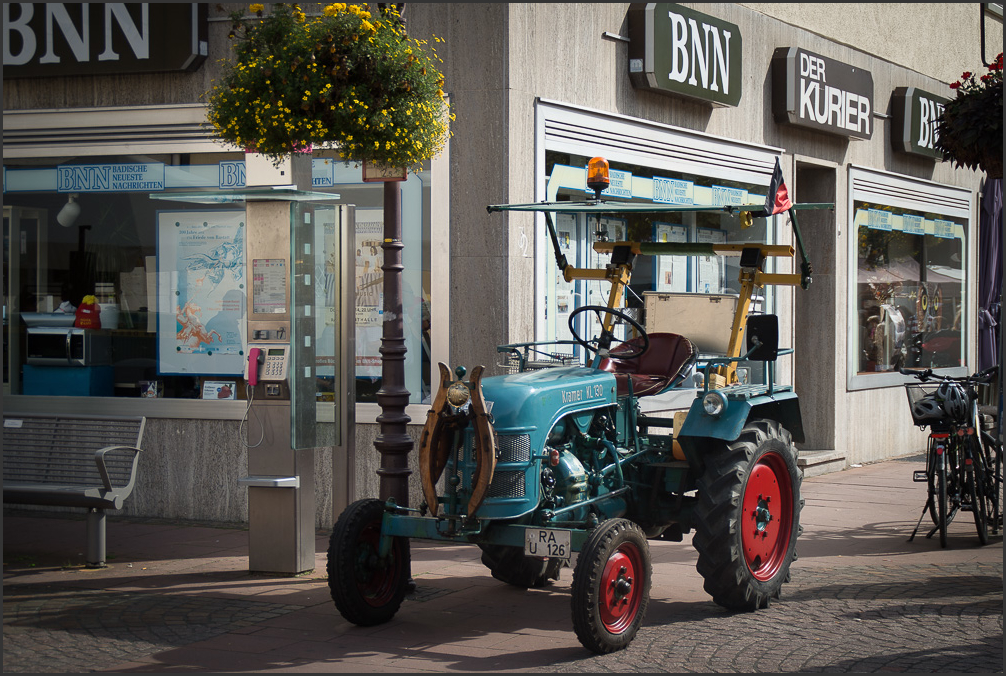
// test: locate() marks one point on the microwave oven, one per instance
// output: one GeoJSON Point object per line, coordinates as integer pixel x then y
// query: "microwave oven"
{"type": "Point", "coordinates": [68, 346]}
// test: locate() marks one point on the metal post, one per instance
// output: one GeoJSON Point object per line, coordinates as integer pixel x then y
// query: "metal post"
{"type": "Point", "coordinates": [95, 538]}
{"type": "Point", "coordinates": [393, 442]}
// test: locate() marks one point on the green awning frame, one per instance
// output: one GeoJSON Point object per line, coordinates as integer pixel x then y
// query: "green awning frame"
{"type": "Point", "coordinates": [610, 207]}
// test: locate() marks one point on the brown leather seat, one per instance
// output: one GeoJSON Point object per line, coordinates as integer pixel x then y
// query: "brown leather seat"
{"type": "Point", "coordinates": [663, 365]}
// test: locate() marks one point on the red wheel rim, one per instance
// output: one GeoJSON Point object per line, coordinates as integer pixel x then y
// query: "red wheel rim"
{"type": "Point", "coordinates": [621, 590]}
{"type": "Point", "coordinates": [375, 578]}
{"type": "Point", "coordinates": [766, 521]}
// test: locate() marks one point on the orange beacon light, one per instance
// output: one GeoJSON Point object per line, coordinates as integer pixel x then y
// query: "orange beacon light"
{"type": "Point", "coordinates": [597, 175]}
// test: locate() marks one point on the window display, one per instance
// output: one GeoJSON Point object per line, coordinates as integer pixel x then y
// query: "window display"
{"type": "Point", "coordinates": [909, 300]}
{"type": "Point", "coordinates": [910, 289]}
{"type": "Point", "coordinates": [708, 275]}
{"type": "Point", "coordinates": [167, 283]}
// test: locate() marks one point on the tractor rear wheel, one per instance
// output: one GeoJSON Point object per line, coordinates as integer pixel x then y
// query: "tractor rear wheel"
{"type": "Point", "coordinates": [367, 589]}
{"type": "Point", "coordinates": [748, 516]}
{"type": "Point", "coordinates": [510, 566]}
{"type": "Point", "coordinates": [611, 586]}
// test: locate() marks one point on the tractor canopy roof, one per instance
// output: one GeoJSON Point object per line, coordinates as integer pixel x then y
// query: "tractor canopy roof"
{"type": "Point", "coordinates": [618, 207]}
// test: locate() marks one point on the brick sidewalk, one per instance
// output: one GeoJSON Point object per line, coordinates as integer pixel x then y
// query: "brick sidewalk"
{"type": "Point", "coordinates": [179, 598]}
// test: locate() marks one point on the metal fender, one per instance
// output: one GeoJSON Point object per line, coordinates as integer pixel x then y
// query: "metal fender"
{"type": "Point", "coordinates": [783, 407]}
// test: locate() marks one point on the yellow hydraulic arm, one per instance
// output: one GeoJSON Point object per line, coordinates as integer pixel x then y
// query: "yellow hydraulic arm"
{"type": "Point", "coordinates": [751, 276]}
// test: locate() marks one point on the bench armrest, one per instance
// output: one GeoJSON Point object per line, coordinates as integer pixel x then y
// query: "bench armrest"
{"type": "Point", "coordinates": [99, 460]}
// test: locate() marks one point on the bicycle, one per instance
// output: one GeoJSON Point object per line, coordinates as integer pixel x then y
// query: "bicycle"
{"type": "Point", "coordinates": [963, 461]}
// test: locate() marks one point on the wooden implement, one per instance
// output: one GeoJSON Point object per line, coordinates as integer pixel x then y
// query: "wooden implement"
{"type": "Point", "coordinates": [484, 443]}
{"type": "Point", "coordinates": [434, 444]}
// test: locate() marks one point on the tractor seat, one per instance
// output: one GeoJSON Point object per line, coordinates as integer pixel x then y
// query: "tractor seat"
{"type": "Point", "coordinates": [662, 366]}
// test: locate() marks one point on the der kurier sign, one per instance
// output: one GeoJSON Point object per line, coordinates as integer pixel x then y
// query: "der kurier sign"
{"type": "Point", "coordinates": [62, 38]}
{"type": "Point", "coordinates": [914, 113]}
{"type": "Point", "coordinates": [813, 91]}
{"type": "Point", "coordinates": [677, 51]}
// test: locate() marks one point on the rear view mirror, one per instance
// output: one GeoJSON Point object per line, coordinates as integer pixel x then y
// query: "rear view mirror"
{"type": "Point", "coordinates": [763, 337]}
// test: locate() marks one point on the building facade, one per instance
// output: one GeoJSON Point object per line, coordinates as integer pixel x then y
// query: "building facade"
{"type": "Point", "coordinates": [691, 103]}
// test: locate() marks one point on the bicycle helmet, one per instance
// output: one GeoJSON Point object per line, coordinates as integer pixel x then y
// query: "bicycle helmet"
{"type": "Point", "coordinates": [954, 401]}
{"type": "Point", "coordinates": [927, 409]}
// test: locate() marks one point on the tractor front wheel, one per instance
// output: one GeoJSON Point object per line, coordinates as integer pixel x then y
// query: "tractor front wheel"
{"type": "Point", "coordinates": [611, 586]}
{"type": "Point", "coordinates": [748, 517]}
{"type": "Point", "coordinates": [367, 588]}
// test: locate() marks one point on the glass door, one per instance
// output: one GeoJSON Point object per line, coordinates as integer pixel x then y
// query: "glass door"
{"type": "Point", "coordinates": [26, 284]}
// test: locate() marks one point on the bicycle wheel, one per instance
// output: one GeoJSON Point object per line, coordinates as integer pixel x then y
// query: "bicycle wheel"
{"type": "Point", "coordinates": [975, 481]}
{"type": "Point", "coordinates": [931, 483]}
{"type": "Point", "coordinates": [992, 456]}
{"type": "Point", "coordinates": [942, 500]}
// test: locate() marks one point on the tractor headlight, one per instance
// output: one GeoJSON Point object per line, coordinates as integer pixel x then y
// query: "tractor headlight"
{"type": "Point", "coordinates": [458, 394]}
{"type": "Point", "coordinates": [714, 403]}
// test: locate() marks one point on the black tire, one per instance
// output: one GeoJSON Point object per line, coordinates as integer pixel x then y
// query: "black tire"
{"type": "Point", "coordinates": [978, 505]}
{"type": "Point", "coordinates": [745, 543]}
{"type": "Point", "coordinates": [976, 490]}
{"type": "Point", "coordinates": [993, 459]}
{"type": "Point", "coordinates": [510, 566]}
{"type": "Point", "coordinates": [367, 590]}
{"type": "Point", "coordinates": [942, 503]}
{"type": "Point", "coordinates": [611, 586]}
{"type": "Point", "coordinates": [931, 474]}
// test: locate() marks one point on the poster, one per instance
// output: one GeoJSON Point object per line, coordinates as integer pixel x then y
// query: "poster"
{"type": "Point", "coordinates": [671, 272]}
{"type": "Point", "coordinates": [565, 292]}
{"type": "Point", "coordinates": [369, 280]}
{"type": "Point", "coordinates": [200, 292]}
{"type": "Point", "coordinates": [326, 292]}
{"type": "Point", "coordinates": [711, 270]}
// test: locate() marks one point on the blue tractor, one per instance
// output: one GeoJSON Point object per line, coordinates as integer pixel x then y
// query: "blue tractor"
{"type": "Point", "coordinates": [557, 459]}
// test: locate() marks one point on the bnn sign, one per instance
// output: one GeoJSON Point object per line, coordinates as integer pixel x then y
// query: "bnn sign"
{"type": "Point", "coordinates": [61, 38]}
{"type": "Point", "coordinates": [680, 52]}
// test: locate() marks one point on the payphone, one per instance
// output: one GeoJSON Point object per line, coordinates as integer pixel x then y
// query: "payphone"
{"type": "Point", "coordinates": [298, 365]}
{"type": "Point", "coordinates": [289, 243]}
{"type": "Point", "coordinates": [269, 364]}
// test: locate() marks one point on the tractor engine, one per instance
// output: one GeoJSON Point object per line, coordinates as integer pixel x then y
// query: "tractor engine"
{"type": "Point", "coordinates": [508, 445]}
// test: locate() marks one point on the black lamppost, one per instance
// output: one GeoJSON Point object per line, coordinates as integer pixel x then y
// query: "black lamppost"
{"type": "Point", "coordinates": [393, 442]}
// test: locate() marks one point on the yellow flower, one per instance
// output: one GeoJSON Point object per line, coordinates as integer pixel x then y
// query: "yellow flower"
{"type": "Point", "coordinates": [256, 7]}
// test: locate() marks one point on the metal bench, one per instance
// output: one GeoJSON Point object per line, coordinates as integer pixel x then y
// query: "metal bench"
{"type": "Point", "coordinates": [72, 461]}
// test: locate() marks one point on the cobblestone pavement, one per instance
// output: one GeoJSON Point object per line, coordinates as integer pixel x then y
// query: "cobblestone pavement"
{"type": "Point", "coordinates": [918, 618]}
{"type": "Point", "coordinates": [52, 629]}
{"type": "Point", "coordinates": [179, 598]}
{"type": "Point", "coordinates": [857, 619]}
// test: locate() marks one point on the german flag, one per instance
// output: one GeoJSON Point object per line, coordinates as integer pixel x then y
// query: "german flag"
{"type": "Point", "coordinates": [777, 199]}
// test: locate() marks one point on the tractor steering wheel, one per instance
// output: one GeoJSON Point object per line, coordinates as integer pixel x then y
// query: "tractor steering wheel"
{"type": "Point", "coordinates": [596, 345]}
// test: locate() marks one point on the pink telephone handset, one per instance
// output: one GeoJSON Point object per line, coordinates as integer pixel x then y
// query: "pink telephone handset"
{"type": "Point", "coordinates": [255, 359]}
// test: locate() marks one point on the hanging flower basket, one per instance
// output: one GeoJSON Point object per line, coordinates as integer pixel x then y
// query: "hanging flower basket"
{"type": "Point", "coordinates": [344, 78]}
{"type": "Point", "coordinates": [970, 130]}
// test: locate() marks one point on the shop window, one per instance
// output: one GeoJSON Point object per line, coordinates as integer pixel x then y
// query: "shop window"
{"type": "Point", "coordinates": [169, 280]}
{"type": "Point", "coordinates": [909, 300]}
{"type": "Point", "coordinates": [910, 289]}
{"type": "Point", "coordinates": [666, 291]}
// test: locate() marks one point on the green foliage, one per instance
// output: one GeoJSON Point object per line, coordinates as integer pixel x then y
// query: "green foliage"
{"type": "Point", "coordinates": [343, 78]}
{"type": "Point", "coordinates": [970, 130]}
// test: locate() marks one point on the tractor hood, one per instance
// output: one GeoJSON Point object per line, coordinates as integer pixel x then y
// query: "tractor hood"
{"type": "Point", "coordinates": [536, 399]}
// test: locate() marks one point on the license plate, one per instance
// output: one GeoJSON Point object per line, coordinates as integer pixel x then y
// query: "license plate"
{"type": "Point", "coordinates": [920, 476]}
{"type": "Point", "coordinates": [547, 542]}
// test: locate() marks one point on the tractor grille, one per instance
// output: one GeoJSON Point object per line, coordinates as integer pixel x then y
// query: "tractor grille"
{"type": "Point", "coordinates": [513, 448]}
{"type": "Point", "coordinates": [507, 485]}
